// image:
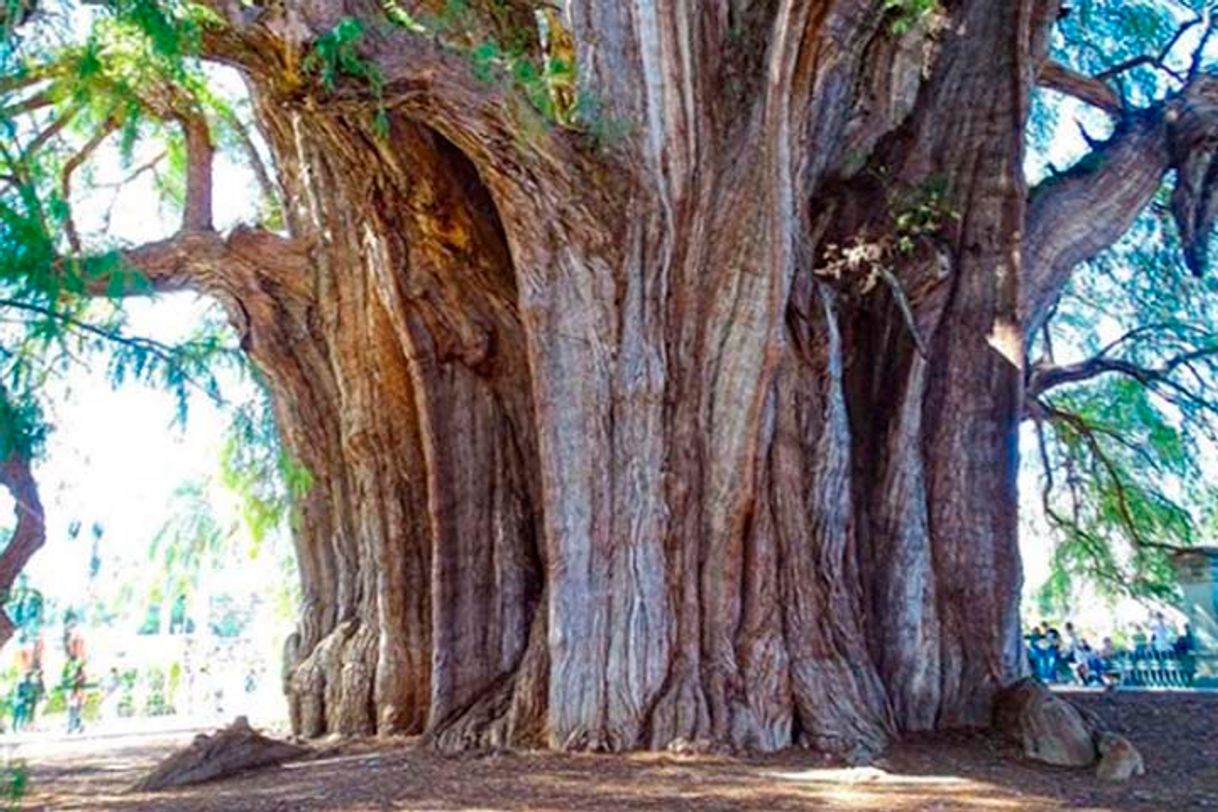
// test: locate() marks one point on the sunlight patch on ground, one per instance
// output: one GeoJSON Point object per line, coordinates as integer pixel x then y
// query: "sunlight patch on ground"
{"type": "Point", "coordinates": [314, 763]}
{"type": "Point", "coordinates": [861, 775]}
{"type": "Point", "coordinates": [872, 788]}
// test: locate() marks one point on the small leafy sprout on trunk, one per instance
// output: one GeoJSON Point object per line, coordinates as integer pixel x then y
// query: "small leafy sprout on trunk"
{"type": "Point", "coordinates": [907, 14]}
{"type": "Point", "coordinates": [336, 55]}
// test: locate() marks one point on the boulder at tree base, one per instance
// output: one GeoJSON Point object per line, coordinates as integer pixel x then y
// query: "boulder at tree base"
{"type": "Point", "coordinates": [1048, 727]}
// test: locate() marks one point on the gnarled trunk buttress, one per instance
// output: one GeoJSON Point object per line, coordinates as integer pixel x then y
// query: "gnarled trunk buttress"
{"type": "Point", "coordinates": [418, 539]}
{"type": "Point", "coordinates": [602, 456]}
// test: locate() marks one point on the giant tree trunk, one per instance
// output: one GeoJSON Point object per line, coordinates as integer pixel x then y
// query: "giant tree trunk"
{"type": "Point", "coordinates": [681, 436]}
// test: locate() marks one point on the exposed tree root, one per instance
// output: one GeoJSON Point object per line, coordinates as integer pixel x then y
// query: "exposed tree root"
{"type": "Point", "coordinates": [234, 749]}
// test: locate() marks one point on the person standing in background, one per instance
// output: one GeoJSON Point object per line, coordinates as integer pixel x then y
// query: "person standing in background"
{"type": "Point", "coordinates": [22, 702]}
{"type": "Point", "coordinates": [38, 689]}
{"type": "Point", "coordinates": [111, 696]}
{"type": "Point", "coordinates": [1052, 656]}
{"type": "Point", "coordinates": [76, 698]}
{"type": "Point", "coordinates": [1162, 635]}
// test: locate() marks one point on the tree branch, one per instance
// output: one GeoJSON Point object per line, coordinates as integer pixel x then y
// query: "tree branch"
{"type": "Point", "coordinates": [57, 126]}
{"type": "Point", "coordinates": [198, 261]}
{"type": "Point", "coordinates": [200, 155]}
{"type": "Point", "coordinates": [17, 476]}
{"type": "Point", "coordinates": [1075, 215]}
{"type": "Point", "coordinates": [158, 349]}
{"type": "Point", "coordinates": [30, 104]}
{"type": "Point", "coordinates": [1150, 329]}
{"type": "Point", "coordinates": [1090, 89]}
{"type": "Point", "coordinates": [1158, 60]}
{"type": "Point", "coordinates": [1087, 433]}
{"type": "Point", "coordinates": [29, 77]}
{"type": "Point", "coordinates": [1211, 24]}
{"type": "Point", "coordinates": [69, 168]}
{"type": "Point", "coordinates": [1047, 377]}
{"type": "Point", "coordinates": [1042, 411]}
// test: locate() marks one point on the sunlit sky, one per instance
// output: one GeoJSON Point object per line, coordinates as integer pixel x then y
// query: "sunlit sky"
{"type": "Point", "coordinates": [116, 455]}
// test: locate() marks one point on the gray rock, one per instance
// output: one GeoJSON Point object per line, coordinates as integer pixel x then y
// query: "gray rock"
{"type": "Point", "coordinates": [1048, 727]}
{"type": "Point", "coordinates": [1119, 759]}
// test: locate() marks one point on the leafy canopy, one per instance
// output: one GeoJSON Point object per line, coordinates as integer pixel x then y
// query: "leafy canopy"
{"type": "Point", "coordinates": [86, 90]}
{"type": "Point", "coordinates": [1126, 457]}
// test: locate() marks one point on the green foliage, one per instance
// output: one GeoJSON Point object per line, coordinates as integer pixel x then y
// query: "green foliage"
{"type": "Point", "coordinates": [159, 701]}
{"type": "Point", "coordinates": [399, 16]}
{"type": "Point", "coordinates": [192, 540]}
{"type": "Point", "coordinates": [905, 15]}
{"type": "Point", "coordinates": [546, 81]}
{"type": "Point", "coordinates": [492, 62]}
{"type": "Point", "coordinates": [920, 213]}
{"type": "Point", "coordinates": [22, 429]}
{"type": "Point", "coordinates": [1124, 455]}
{"type": "Point", "coordinates": [254, 466]}
{"type": "Point", "coordinates": [199, 539]}
{"type": "Point", "coordinates": [1118, 522]}
{"type": "Point", "coordinates": [91, 85]}
{"type": "Point", "coordinates": [26, 608]}
{"type": "Point", "coordinates": [336, 55]}
{"type": "Point", "coordinates": [14, 783]}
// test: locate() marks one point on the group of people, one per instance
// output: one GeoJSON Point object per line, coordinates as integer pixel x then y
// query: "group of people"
{"type": "Point", "coordinates": [1066, 656]}
{"type": "Point", "coordinates": [31, 689]}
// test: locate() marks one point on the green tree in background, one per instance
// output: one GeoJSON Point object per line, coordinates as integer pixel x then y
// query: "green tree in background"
{"type": "Point", "coordinates": [110, 92]}
{"type": "Point", "coordinates": [190, 551]}
{"type": "Point", "coordinates": [1123, 384]}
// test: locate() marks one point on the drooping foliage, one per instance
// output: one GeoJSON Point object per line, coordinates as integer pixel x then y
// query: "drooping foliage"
{"type": "Point", "coordinates": [204, 535]}
{"type": "Point", "coordinates": [1125, 439]}
{"type": "Point", "coordinates": [94, 104]}
{"type": "Point", "coordinates": [103, 83]}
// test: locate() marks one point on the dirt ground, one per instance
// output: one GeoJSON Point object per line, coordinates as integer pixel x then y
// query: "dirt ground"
{"type": "Point", "coordinates": [1176, 732]}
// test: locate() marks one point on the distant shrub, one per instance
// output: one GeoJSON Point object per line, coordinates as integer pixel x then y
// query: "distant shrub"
{"type": "Point", "coordinates": [14, 780]}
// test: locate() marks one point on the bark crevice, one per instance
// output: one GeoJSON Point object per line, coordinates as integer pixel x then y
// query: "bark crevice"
{"type": "Point", "coordinates": [687, 438]}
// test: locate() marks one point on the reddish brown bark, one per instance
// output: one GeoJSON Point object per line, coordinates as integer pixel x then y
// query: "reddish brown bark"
{"type": "Point", "coordinates": [610, 447]}
{"type": "Point", "coordinates": [29, 533]}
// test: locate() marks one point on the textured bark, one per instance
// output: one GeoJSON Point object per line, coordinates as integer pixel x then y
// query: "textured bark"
{"type": "Point", "coordinates": [29, 533]}
{"type": "Point", "coordinates": [234, 749]}
{"type": "Point", "coordinates": [609, 447]}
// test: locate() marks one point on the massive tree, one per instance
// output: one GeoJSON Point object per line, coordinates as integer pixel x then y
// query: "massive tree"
{"type": "Point", "coordinates": [657, 366]}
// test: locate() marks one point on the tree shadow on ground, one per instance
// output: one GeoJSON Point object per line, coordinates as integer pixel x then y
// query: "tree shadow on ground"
{"type": "Point", "coordinates": [954, 772]}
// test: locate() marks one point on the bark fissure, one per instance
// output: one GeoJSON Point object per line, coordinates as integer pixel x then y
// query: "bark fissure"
{"type": "Point", "coordinates": [610, 446]}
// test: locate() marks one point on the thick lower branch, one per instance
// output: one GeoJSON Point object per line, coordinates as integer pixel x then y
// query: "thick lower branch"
{"type": "Point", "coordinates": [1074, 216]}
{"type": "Point", "coordinates": [203, 261]}
{"type": "Point", "coordinates": [16, 475]}
{"type": "Point", "coordinates": [1089, 89]}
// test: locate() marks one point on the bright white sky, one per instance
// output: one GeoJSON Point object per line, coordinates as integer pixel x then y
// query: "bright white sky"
{"type": "Point", "coordinates": [116, 456]}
